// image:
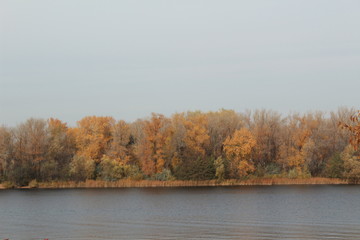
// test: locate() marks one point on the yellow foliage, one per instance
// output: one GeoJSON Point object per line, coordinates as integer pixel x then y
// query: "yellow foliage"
{"type": "Point", "coordinates": [196, 137]}
{"type": "Point", "coordinates": [238, 150]}
{"type": "Point", "coordinates": [245, 167]}
{"type": "Point", "coordinates": [55, 125]}
{"type": "Point", "coordinates": [152, 150]}
{"type": "Point", "coordinates": [296, 159]}
{"type": "Point", "coordinates": [119, 148]}
{"type": "Point", "coordinates": [92, 136]}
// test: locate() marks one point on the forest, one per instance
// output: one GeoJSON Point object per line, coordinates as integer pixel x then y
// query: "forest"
{"type": "Point", "coordinates": [186, 146]}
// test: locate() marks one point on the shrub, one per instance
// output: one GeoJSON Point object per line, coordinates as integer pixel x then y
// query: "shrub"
{"type": "Point", "coordinates": [293, 173]}
{"type": "Point", "coordinates": [113, 170]}
{"type": "Point", "coordinates": [334, 167]}
{"type": "Point", "coordinates": [351, 164]}
{"type": "Point", "coordinates": [8, 184]}
{"type": "Point", "coordinates": [299, 173]}
{"type": "Point", "coordinates": [201, 168]}
{"type": "Point", "coordinates": [133, 172]}
{"type": "Point", "coordinates": [33, 184]}
{"type": "Point", "coordinates": [219, 169]}
{"type": "Point", "coordinates": [48, 170]}
{"type": "Point", "coordinates": [82, 168]}
{"type": "Point", "coordinates": [272, 169]}
{"type": "Point", "coordinates": [165, 175]}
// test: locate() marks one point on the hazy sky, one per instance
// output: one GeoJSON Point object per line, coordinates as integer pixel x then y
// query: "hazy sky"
{"type": "Point", "coordinates": [72, 58]}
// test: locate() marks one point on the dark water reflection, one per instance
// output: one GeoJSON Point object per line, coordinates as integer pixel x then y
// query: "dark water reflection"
{"type": "Point", "coordinates": [274, 212]}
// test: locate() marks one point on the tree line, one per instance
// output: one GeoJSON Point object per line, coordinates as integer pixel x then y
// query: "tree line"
{"type": "Point", "coordinates": [186, 146]}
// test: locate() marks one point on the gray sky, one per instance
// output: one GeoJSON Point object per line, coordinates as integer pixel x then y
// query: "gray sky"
{"type": "Point", "coordinates": [72, 58]}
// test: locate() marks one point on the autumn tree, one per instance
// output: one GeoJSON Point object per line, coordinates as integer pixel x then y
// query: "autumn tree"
{"type": "Point", "coordinates": [30, 147]}
{"type": "Point", "coordinates": [61, 148]}
{"type": "Point", "coordinates": [177, 145]}
{"type": "Point", "coordinates": [92, 137]}
{"type": "Point", "coordinates": [194, 162]}
{"type": "Point", "coordinates": [36, 149]}
{"type": "Point", "coordinates": [315, 150]}
{"type": "Point", "coordinates": [191, 145]}
{"type": "Point", "coordinates": [354, 129]}
{"type": "Point", "coordinates": [325, 140]}
{"type": "Point", "coordinates": [221, 124]}
{"type": "Point", "coordinates": [196, 137]}
{"type": "Point", "coordinates": [295, 135]}
{"type": "Point", "coordinates": [350, 155]}
{"type": "Point", "coordinates": [351, 159]}
{"type": "Point", "coordinates": [219, 168]}
{"type": "Point", "coordinates": [82, 168]}
{"type": "Point", "coordinates": [266, 127]}
{"type": "Point", "coordinates": [6, 152]}
{"type": "Point", "coordinates": [238, 149]}
{"type": "Point", "coordinates": [335, 166]}
{"type": "Point", "coordinates": [121, 144]}
{"type": "Point", "coordinates": [339, 138]}
{"type": "Point", "coordinates": [152, 147]}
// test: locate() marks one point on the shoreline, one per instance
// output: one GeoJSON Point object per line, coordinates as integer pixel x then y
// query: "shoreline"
{"type": "Point", "coordinates": [184, 183]}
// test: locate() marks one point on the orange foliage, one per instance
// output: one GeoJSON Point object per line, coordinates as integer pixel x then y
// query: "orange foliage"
{"type": "Point", "coordinates": [297, 136]}
{"type": "Point", "coordinates": [152, 150]}
{"type": "Point", "coordinates": [196, 136]}
{"type": "Point", "coordinates": [92, 136]}
{"type": "Point", "coordinates": [238, 150]}
{"type": "Point", "coordinates": [221, 124]}
{"type": "Point", "coordinates": [60, 141]}
{"type": "Point", "coordinates": [55, 125]}
{"type": "Point", "coordinates": [119, 148]}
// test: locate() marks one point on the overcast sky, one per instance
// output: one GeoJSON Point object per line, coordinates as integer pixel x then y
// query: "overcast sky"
{"type": "Point", "coordinates": [73, 58]}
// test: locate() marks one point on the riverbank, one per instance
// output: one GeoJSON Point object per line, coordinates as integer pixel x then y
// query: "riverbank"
{"type": "Point", "coordinates": [178, 183]}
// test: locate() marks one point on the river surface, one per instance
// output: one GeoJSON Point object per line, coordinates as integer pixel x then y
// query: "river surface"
{"type": "Point", "coordinates": [247, 212]}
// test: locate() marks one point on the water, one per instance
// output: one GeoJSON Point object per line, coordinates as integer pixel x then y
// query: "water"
{"type": "Point", "coordinates": [268, 212]}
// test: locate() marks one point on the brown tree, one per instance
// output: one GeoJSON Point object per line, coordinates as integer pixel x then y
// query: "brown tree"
{"type": "Point", "coordinates": [266, 127]}
{"type": "Point", "coordinates": [354, 129]}
{"type": "Point", "coordinates": [6, 151]}
{"type": "Point", "coordinates": [30, 148]}
{"type": "Point", "coordinates": [221, 124]}
{"type": "Point", "coordinates": [151, 149]}
{"type": "Point", "coordinates": [120, 147]}
{"type": "Point", "coordinates": [61, 148]}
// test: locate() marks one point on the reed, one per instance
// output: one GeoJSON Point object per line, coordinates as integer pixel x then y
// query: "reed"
{"type": "Point", "coordinates": [126, 183]}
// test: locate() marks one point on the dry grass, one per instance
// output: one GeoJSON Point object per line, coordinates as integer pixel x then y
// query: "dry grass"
{"type": "Point", "coordinates": [177, 183]}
